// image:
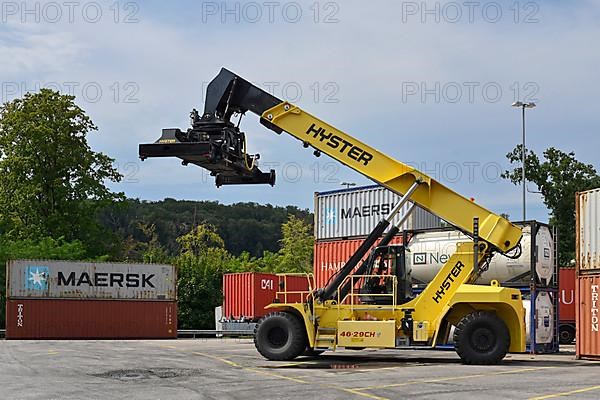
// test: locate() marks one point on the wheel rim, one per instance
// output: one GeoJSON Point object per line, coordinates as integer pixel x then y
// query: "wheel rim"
{"type": "Point", "coordinates": [277, 337]}
{"type": "Point", "coordinates": [565, 336]}
{"type": "Point", "coordinates": [483, 339]}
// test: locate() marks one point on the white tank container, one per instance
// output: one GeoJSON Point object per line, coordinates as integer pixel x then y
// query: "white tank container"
{"type": "Point", "coordinates": [428, 251]}
{"type": "Point", "coordinates": [544, 318]}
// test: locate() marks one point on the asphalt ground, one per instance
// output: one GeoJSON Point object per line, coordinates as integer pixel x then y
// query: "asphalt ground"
{"type": "Point", "coordinates": [232, 369]}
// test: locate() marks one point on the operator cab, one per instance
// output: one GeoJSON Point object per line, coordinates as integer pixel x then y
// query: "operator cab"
{"type": "Point", "coordinates": [386, 261]}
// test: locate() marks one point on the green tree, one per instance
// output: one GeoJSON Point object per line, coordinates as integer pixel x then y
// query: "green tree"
{"type": "Point", "coordinates": [201, 264]}
{"type": "Point", "coordinates": [296, 253]}
{"type": "Point", "coordinates": [558, 177]}
{"type": "Point", "coordinates": [201, 238]}
{"type": "Point", "coordinates": [147, 249]}
{"type": "Point", "coordinates": [51, 181]}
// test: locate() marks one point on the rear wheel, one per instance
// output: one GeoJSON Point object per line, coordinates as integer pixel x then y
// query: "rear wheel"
{"type": "Point", "coordinates": [481, 338]}
{"type": "Point", "coordinates": [566, 334]}
{"type": "Point", "coordinates": [280, 336]}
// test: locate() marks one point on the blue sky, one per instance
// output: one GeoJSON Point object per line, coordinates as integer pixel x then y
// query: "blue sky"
{"type": "Point", "coordinates": [429, 85]}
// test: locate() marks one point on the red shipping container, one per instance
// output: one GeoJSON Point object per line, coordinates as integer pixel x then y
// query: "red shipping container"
{"type": "Point", "coordinates": [247, 294]}
{"type": "Point", "coordinates": [587, 297]}
{"type": "Point", "coordinates": [90, 319]}
{"type": "Point", "coordinates": [566, 305]}
{"type": "Point", "coordinates": [332, 255]}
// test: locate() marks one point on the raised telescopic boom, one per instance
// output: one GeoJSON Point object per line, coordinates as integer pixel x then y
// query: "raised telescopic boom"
{"type": "Point", "coordinates": [489, 320]}
{"type": "Point", "coordinates": [217, 144]}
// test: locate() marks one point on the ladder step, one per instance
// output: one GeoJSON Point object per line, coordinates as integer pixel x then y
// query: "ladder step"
{"type": "Point", "coordinates": [326, 335]}
{"type": "Point", "coordinates": [326, 340]}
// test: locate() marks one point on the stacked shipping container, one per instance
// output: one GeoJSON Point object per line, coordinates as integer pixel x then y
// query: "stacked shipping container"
{"type": "Point", "coordinates": [566, 305]}
{"type": "Point", "coordinates": [89, 300]}
{"type": "Point", "coordinates": [587, 288]}
{"type": "Point", "coordinates": [343, 219]}
{"type": "Point", "coordinates": [353, 213]}
{"type": "Point", "coordinates": [246, 294]}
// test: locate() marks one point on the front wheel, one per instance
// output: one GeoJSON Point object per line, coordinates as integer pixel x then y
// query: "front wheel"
{"type": "Point", "coordinates": [280, 336]}
{"type": "Point", "coordinates": [481, 338]}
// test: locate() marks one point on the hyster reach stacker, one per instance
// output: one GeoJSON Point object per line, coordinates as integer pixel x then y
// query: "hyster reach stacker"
{"type": "Point", "coordinates": [369, 302]}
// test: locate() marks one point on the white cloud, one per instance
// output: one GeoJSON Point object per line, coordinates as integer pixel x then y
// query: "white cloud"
{"type": "Point", "coordinates": [368, 55]}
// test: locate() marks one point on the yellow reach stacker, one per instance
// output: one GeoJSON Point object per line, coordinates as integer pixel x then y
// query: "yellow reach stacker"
{"type": "Point", "coordinates": [369, 303]}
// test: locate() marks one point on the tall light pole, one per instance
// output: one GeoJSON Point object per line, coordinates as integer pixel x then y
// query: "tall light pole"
{"type": "Point", "coordinates": [523, 106]}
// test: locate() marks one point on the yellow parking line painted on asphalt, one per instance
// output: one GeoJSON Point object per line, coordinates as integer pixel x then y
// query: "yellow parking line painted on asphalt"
{"type": "Point", "coordinates": [218, 359]}
{"type": "Point", "coordinates": [298, 380]}
{"type": "Point", "coordinates": [289, 378]}
{"type": "Point", "coordinates": [391, 385]}
{"type": "Point", "coordinates": [52, 352]}
{"type": "Point", "coordinates": [551, 396]}
{"type": "Point", "coordinates": [370, 396]}
{"type": "Point", "coordinates": [450, 378]}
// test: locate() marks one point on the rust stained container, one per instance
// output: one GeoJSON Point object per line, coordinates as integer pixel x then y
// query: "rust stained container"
{"type": "Point", "coordinates": [332, 255]}
{"type": "Point", "coordinates": [588, 232]}
{"type": "Point", "coordinates": [90, 319]}
{"type": "Point", "coordinates": [246, 294]}
{"type": "Point", "coordinates": [587, 298]}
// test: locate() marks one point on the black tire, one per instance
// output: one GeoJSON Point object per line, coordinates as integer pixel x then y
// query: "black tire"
{"type": "Point", "coordinates": [280, 336]}
{"type": "Point", "coordinates": [566, 334]}
{"type": "Point", "coordinates": [481, 338]}
{"type": "Point", "coordinates": [308, 352]}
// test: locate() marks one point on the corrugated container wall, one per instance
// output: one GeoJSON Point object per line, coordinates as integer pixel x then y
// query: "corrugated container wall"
{"type": "Point", "coordinates": [90, 280]}
{"type": "Point", "coordinates": [566, 305]}
{"type": "Point", "coordinates": [332, 255]}
{"type": "Point", "coordinates": [246, 294]}
{"type": "Point", "coordinates": [587, 263]}
{"type": "Point", "coordinates": [90, 319]}
{"type": "Point", "coordinates": [588, 231]}
{"type": "Point", "coordinates": [588, 316]}
{"type": "Point", "coordinates": [355, 212]}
